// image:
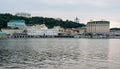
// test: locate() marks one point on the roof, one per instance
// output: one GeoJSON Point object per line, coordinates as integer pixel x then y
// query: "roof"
{"type": "Point", "coordinates": [98, 22]}
{"type": "Point", "coordinates": [22, 21]}
{"type": "Point", "coordinates": [83, 27]}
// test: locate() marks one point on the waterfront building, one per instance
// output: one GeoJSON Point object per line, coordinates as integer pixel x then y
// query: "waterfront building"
{"type": "Point", "coordinates": [115, 32]}
{"type": "Point", "coordinates": [11, 31]}
{"type": "Point", "coordinates": [41, 30]}
{"type": "Point", "coordinates": [21, 14]}
{"type": "Point", "coordinates": [82, 30]}
{"type": "Point", "coordinates": [75, 31]}
{"type": "Point", "coordinates": [61, 30]}
{"type": "Point", "coordinates": [98, 27]}
{"type": "Point", "coordinates": [16, 24]}
{"type": "Point", "coordinates": [69, 31]}
{"type": "Point", "coordinates": [3, 35]}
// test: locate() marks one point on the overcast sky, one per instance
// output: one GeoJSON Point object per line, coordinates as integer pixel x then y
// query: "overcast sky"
{"type": "Point", "coordinates": [85, 10]}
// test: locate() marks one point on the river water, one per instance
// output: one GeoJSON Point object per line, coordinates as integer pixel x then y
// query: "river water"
{"type": "Point", "coordinates": [59, 53]}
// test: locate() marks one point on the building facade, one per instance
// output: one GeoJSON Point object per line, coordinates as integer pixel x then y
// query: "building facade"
{"type": "Point", "coordinates": [98, 27]}
{"type": "Point", "coordinates": [3, 35]}
{"type": "Point", "coordinates": [61, 30]}
{"type": "Point", "coordinates": [16, 24]}
{"type": "Point", "coordinates": [82, 30]}
{"type": "Point", "coordinates": [41, 30]}
{"type": "Point", "coordinates": [115, 32]}
{"type": "Point", "coordinates": [11, 31]}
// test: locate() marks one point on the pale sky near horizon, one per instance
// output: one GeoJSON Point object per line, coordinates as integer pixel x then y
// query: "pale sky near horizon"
{"type": "Point", "coordinates": [85, 10]}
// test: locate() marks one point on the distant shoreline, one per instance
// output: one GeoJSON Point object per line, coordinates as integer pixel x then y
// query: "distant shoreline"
{"type": "Point", "coordinates": [75, 37]}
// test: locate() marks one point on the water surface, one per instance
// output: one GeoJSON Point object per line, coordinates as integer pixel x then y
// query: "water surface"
{"type": "Point", "coordinates": [54, 53]}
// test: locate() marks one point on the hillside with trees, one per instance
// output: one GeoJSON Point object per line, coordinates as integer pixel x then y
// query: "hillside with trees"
{"type": "Point", "coordinates": [49, 22]}
{"type": "Point", "coordinates": [115, 29]}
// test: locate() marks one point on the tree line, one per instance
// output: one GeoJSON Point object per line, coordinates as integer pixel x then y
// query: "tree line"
{"type": "Point", "coordinates": [115, 29]}
{"type": "Point", "coordinates": [49, 22]}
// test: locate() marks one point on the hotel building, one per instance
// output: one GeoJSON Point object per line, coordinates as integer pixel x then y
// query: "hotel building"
{"type": "Point", "coordinates": [98, 27]}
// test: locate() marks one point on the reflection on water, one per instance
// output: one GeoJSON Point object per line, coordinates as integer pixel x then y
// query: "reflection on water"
{"type": "Point", "coordinates": [59, 54]}
{"type": "Point", "coordinates": [114, 54]}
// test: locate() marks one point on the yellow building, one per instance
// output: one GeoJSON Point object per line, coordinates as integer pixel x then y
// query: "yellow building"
{"type": "Point", "coordinates": [82, 30]}
{"type": "Point", "coordinates": [11, 31]}
{"type": "Point", "coordinates": [61, 30]}
{"type": "Point", "coordinates": [3, 35]}
{"type": "Point", "coordinates": [98, 27]}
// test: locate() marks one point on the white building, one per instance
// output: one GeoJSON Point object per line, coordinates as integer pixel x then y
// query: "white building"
{"type": "Point", "coordinates": [41, 30]}
{"type": "Point", "coordinates": [23, 14]}
{"type": "Point", "coordinates": [115, 32]}
{"type": "Point", "coordinates": [98, 27]}
{"type": "Point", "coordinates": [61, 30]}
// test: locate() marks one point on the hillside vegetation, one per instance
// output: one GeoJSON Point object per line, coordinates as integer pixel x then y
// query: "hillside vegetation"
{"type": "Point", "coordinates": [49, 22]}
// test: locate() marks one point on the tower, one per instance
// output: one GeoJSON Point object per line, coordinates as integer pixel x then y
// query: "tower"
{"type": "Point", "coordinates": [76, 20]}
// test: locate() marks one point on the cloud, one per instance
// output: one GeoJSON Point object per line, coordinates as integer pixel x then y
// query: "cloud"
{"type": "Point", "coordinates": [66, 9]}
{"type": "Point", "coordinates": [57, 5]}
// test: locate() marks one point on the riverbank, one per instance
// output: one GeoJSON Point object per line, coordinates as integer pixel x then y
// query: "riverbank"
{"type": "Point", "coordinates": [59, 36]}
{"type": "Point", "coordinates": [24, 35]}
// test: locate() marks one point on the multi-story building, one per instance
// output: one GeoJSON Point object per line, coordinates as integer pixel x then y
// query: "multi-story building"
{"type": "Point", "coordinates": [41, 30]}
{"type": "Point", "coordinates": [16, 24]}
{"type": "Point", "coordinates": [98, 27]}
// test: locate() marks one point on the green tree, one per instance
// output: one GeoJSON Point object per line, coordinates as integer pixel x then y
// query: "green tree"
{"type": "Point", "coordinates": [49, 22]}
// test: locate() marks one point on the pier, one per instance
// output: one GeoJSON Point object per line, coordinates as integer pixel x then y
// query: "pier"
{"type": "Point", "coordinates": [24, 35]}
